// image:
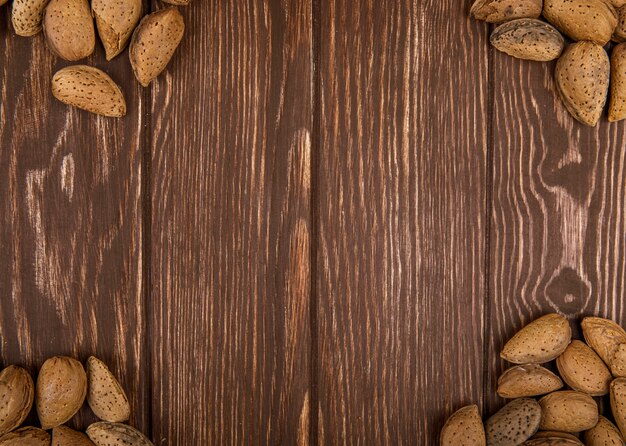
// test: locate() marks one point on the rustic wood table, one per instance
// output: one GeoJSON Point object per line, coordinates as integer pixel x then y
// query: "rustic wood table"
{"type": "Point", "coordinates": [318, 226]}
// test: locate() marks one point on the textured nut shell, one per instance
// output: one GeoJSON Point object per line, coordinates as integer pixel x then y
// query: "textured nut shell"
{"type": "Point", "coordinates": [116, 20]}
{"type": "Point", "coordinates": [617, 103]}
{"type": "Point", "coordinates": [619, 35]}
{"type": "Point", "coordinates": [618, 3]}
{"type": "Point", "coordinates": [499, 11]}
{"type": "Point", "coordinates": [177, 2]}
{"type": "Point", "coordinates": [89, 89]}
{"type": "Point", "coordinates": [527, 380]}
{"type": "Point", "coordinates": [583, 370]}
{"type": "Point", "coordinates": [27, 16]}
{"type": "Point", "coordinates": [154, 42]}
{"type": "Point", "coordinates": [540, 341]}
{"type": "Point", "coordinates": [26, 436]}
{"type": "Point", "coordinates": [69, 30]}
{"type": "Point", "coordinates": [590, 20]}
{"type": "Point", "coordinates": [618, 363]}
{"type": "Point", "coordinates": [61, 390]}
{"type": "Point", "coordinates": [514, 423]}
{"type": "Point", "coordinates": [528, 39]}
{"type": "Point", "coordinates": [16, 397]}
{"type": "Point", "coordinates": [618, 403]}
{"type": "Point", "coordinates": [116, 434]}
{"type": "Point", "coordinates": [64, 436]}
{"type": "Point", "coordinates": [604, 336]}
{"type": "Point", "coordinates": [582, 80]}
{"type": "Point", "coordinates": [568, 411]}
{"type": "Point", "coordinates": [464, 428]}
{"type": "Point", "coordinates": [105, 395]}
{"type": "Point", "coordinates": [603, 434]}
{"type": "Point", "coordinates": [553, 441]}
{"type": "Point", "coordinates": [556, 434]}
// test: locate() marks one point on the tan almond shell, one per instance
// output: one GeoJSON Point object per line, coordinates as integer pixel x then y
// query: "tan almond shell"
{"type": "Point", "coordinates": [618, 404]}
{"type": "Point", "coordinates": [602, 434]}
{"type": "Point", "coordinates": [523, 413]}
{"type": "Point", "coordinates": [618, 3]}
{"type": "Point", "coordinates": [104, 433]}
{"type": "Point", "coordinates": [553, 441]}
{"type": "Point", "coordinates": [105, 395]}
{"type": "Point", "coordinates": [583, 370]}
{"type": "Point", "coordinates": [465, 426]}
{"type": "Point", "coordinates": [617, 102]}
{"type": "Point", "coordinates": [540, 341]}
{"type": "Point", "coordinates": [64, 436]}
{"type": "Point", "coordinates": [582, 20]}
{"type": "Point", "coordinates": [618, 363]}
{"type": "Point", "coordinates": [177, 2]}
{"type": "Point", "coordinates": [69, 29]}
{"type": "Point", "coordinates": [568, 411]}
{"type": "Point", "coordinates": [582, 81]}
{"type": "Point", "coordinates": [557, 434]}
{"type": "Point", "coordinates": [17, 392]}
{"type": "Point", "coordinates": [27, 15]}
{"type": "Point", "coordinates": [527, 380]}
{"type": "Point", "coordinates": [60, 391]}
{"type": "Point", "coordinates": [116, 20]}
{"type": "Point", "coordinates": [154, 42]}
{"type": "Point", "coordinates": [528, 39]}
{"type": "Point", "coordinates": [619, 35]}
{"type": "Point", "coordinates": [604, 336]}
{"type": "Point", "coordinates": [26, 436]}
{"type": "Point", "coordinates": [90, 89]}
{"type": "Point", "coordinates": [500, 11]}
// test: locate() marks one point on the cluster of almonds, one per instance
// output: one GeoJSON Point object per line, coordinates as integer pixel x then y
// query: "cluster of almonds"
{"type": "Point", "coordinates": [594, 368]}
{"type": "Point", "coordinates": [70, 33]}
{"type": "Point", "coordinates": [583, 69]}
{"type": "Point", "coordinates": [61, 390]}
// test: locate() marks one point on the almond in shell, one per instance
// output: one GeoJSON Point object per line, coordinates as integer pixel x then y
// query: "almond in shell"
{"type": "Point", "coordinates": [618, 403]}
{"type": "Point", "coordinates": [618, 363]}
{"type": "Point", "coordinates": [619, 35]}
{"type": "Point", "coordinates": [177, 2]}
{"type": "Point", "coordinates": [540, 341]}
{"type": "Point", "coordinates": [617, 103]}
{"type": "Point", "coordinates": [464, 427]}
{"type": "Point", "coordinates": [116, 434]}
{"type": "Point", "coordinates": [553, 441]}
{"type": "Point", "coordinates": [568, 411]}
{"type": "Point", "coordinates": [116, 21]}
{"type": "Point", "coordinates": [618, 3]}
{"type": "Point", "coordinates": [583, 370]}
{"type": "Point", "coordinates": [604, 336]}
{"type": "Point", "coordinates": [582, 81]}
{"type": "Point", "coordinates": [514, 423]}
{"type": "Point", "coordinates": [582, 20]}
{"type": "Point", "coordinates": [27, 15]}
{"type": "Point", "coordinates": [105, 395]}
{"type": "Point", "coordinates": [90, 89]}
{"type": "Point", "coordinates": [528, 39]}
{"type": "Point", "coordinates": [26, 436]}
{"type": "Point", "coordinates": [69, 30]}
{"type": "Point", "coordinates": [500, 11]}
{"type": "Point", "coordinates": [154, 42]}
{"type": "Point", "coordinates": [60, 391]}
{"type": "Point", "coordinates": [16, 397]}
{"type": "Point", "coordinates": [603, 434]}
{"type": "Point", "coordinates": [557, 434]}
{"type": "Point", "coordinates": [527, 380]}
{"type": "Point", "coordinates": [64, 436]}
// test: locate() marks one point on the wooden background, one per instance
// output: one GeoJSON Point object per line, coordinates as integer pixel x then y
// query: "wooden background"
{"type": "Point", "coordinates": [318, 226]}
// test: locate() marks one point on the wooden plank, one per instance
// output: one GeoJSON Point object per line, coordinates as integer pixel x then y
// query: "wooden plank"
{"type": "Point", "coordinates": [230, 254]}
{"type": "Point", "coordinates": [401, 218]}
{"type": "Point", "coordinates": [558, 219]}
{"type": "Point", "coordinates": [70, 222]}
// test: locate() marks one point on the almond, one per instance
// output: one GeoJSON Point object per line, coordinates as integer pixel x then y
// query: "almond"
{"type": "Point", "coordinates": [540, 341]}
{"type": "Point", "coordinates": [26, 436]}
{"type": "Point", "coordinates": [619, 35]}
{"type": "Point", "coordinates": [568, 411]}
{"type": "Point", "coordinates": [116, 21]}
{"type": "Point", "coordinates": [603, 434]}
{"type": "Point", "coordinates": [27, 16]}
{"type": "Point", "coordinates": [69, 30]}
{"type": "Point", "coordinates": [154, 42]}
{"type": "Point", "coordinates": [527, 380]}
{"type": "Point", "coordinates": [105, 395]}
{"type": "Point", "coordinates": [116, 434]}
{"type": "Point", "coordinates": [553, 441]}
{"type": "Point", "coordinates": [64, 436]}
{"type": "Point", "coordinates": [499, 11]}
{"type": "Point", "coordinates": [582, 80]}
{"type": "Point", "coordinates": [16, 397]}
{"type": "Point", "coordinates": [583, 370]}
{"type": "Point", "coordinates": [514, 423]}
{"type": "Point", "coordinates": [618, 363]}
{"type": "Point", "coordinates": [464, 427]}
{"type": "Point", "coordinates": [61, 390]}
{"type": "Point", "coordinates": [90, 89]}
{"type": "Point", "coordinates": [529, 39]}
{"type": "Point", "coordinates": [618, 3]}
{"type": "Point", "coordinates": [556, 434]}
{"type": "Point", "coordinates": [177, 2]}
{"type": "Point", "coordinates": [618, 403]}
{"type": "Point", "coordinates": [590, 20]}
{"type": "Point", "coordinates": [604, 336]}
{"type": "Point", "coordinates": [617, 104]}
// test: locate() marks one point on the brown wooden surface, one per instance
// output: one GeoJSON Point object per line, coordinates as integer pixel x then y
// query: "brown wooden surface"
{"type": "Point", "coordinates": [318, 226]}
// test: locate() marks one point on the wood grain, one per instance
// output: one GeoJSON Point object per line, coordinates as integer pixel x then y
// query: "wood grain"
{"type": "Point", "coordinates": [230, 254]}
{"type": "Point", "coordinates": [70, 222]}
{"type": "Point", "coordinates": [558, 217]}
{"type": "Point", "coordinates": [401, 218]}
